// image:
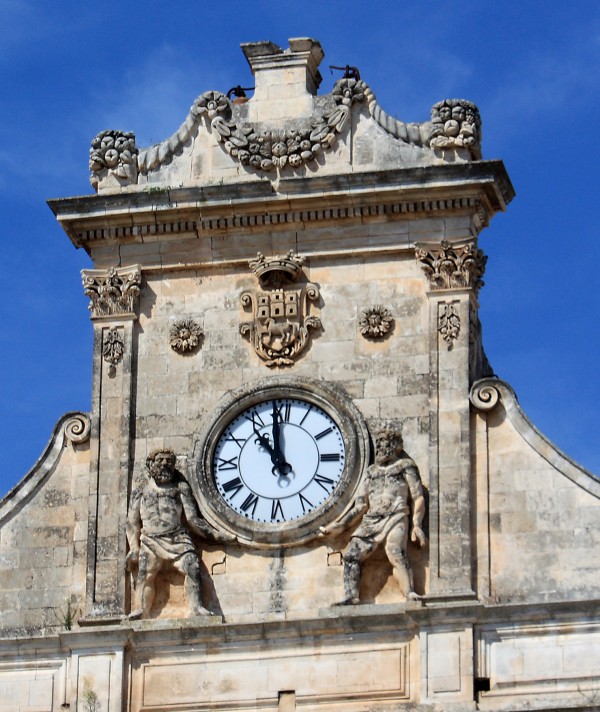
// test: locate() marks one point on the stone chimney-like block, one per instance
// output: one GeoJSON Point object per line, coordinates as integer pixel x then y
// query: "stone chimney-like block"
{"type": "Point", "coordinates": [285, 81]}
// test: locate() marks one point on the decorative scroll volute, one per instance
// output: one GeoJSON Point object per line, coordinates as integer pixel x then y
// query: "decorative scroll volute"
{"type": "Point", "coordinates": [78, 428]}
{"type": "Point", "coordinates": [279, 330]}
{"type": "Point", "coordinates": [113, 292]}
{"type": "Point", "coordinates": [484, 396]}
{"type": "Point", "coordinates": [453, 267]}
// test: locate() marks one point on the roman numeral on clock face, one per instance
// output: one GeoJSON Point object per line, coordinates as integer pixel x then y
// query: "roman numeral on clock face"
{"type": "Point", "coordinates": [250, 503]}
{"type": "Point", "coordinates": [330, 457]}
{"type": "Point", "coordinates": [323, 481]}
{"type": "Point", "coordinates": [227, 464]}
{"type": "Point", "coordinates": [284, 411]}
{"type": "Point", "coordinates": [255, 419]}
{"type": "Point", "coordinates": [276, 510]}
{"type": "Point", "coordinates": [306, 504]}
{"type": "Point", "coordinates": [238, 441]}
{"type": "Point", "coordinates": [233, 486]}
{"type": "Point", "coordinates": [323, 433]}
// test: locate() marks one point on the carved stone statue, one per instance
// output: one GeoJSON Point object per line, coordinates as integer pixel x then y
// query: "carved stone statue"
{"type": "Point", "coordinates": [161, 514]}
{"type": "Point", "coordinates": [382, 507]}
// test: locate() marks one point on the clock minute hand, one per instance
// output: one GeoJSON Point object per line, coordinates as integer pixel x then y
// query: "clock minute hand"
{"type": "Point", "coordinates": [282, 468]}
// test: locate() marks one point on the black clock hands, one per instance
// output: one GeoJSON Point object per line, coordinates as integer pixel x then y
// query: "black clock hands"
{"type": "Point", "coordinates": [263, 440]}
{"type": "Point", "coordinates": [280, 467]}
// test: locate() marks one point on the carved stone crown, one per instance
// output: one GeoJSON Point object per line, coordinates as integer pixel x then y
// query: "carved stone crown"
{"type": "Point", "coordinates": [277, 268]}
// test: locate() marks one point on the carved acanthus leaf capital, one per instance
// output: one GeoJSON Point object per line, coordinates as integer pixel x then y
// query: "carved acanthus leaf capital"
{"type": "Point", "coordinates": [453, 267]}
{"type": "Point", "coordinates": [113, 292]}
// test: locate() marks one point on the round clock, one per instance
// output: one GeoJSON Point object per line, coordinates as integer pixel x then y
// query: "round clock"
{"type": "Point", "coordinates": [280, 459]}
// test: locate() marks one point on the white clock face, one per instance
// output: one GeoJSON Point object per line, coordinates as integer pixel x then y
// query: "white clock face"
{"type": "Point", "coordinates": [278, 460]}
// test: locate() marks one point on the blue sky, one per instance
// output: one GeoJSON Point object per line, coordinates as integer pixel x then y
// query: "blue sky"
{"type": "Point", "coordinates": [69, 70]}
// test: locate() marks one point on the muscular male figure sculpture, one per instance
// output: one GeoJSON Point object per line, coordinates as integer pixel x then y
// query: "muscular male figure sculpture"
{"type": "Point", "coordinates": [160, 513]}
{"type": "Point", "coordinates": [383, 510]}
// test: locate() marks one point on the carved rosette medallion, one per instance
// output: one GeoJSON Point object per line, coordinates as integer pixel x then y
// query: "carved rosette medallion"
{"type": "Point", "coordinates": [112, 293]}
{"type": "Point", "coordinates": [185, 335]}
{"type": "Point", "coordinates": [281, 320]}
{"type": "Point", "coordinates": [449, 324]}
{"type": "Point", "coordinates": [375, 322]}
{"type": "Point", "coordinates": [453, 267]}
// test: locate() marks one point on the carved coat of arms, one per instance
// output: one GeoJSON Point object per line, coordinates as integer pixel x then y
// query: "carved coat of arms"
{"type": "Point", "coordinates": [279, 330]}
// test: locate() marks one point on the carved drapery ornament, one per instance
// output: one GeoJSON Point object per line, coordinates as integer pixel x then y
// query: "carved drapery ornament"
{"type": "Point", "coordinates": [375, 322]}
{"type": "Point", "coordinates": [114, 292]}
{"type": "Point", "coordinates": [279, 331]}
{"type": "Point", "coordinates": [185, 335]}
{"type": "Point", "coordinates": [113, 348]}
{"type": "Point", "coordinates": [449, 324]}
{"type": "Point", "coordinates": [453, 267]}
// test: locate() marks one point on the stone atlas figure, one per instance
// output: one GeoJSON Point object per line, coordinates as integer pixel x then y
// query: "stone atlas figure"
{"type": "Point", "coordinates": [382, 507]}
{"type": "Point", "coordinates": [162, 512]}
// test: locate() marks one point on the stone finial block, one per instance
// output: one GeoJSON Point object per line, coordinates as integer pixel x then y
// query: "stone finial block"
{"type": "Point", "coordinates": [295, 67]}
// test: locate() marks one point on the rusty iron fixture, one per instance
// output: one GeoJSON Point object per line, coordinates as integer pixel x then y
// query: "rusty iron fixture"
{"type": "Point", "coordinates": [349, 72]}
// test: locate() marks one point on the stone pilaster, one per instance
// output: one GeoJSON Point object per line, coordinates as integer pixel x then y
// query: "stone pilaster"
{"type": "Point", "coordinates": [114, 294]}
{"type": "Point", "coordinates": [454, 275]}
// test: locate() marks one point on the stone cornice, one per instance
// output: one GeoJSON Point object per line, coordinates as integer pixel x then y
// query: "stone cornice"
{"type": "Point", "coordinates": [480, 188]}
{"type": "Point", "coordinates": [391, 618]}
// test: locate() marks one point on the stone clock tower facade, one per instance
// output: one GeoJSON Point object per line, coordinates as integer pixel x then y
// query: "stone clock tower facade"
{"type": "Point", "coordinates": [300, 485]}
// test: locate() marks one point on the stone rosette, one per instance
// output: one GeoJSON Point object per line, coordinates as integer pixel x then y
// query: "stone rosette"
{"type": "Point", "coordinates": [185, 335]}
{"type": "Point", "coordinates": [375, 322]}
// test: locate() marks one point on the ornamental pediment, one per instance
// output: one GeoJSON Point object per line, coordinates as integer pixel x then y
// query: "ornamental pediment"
{"type": "Point", "coordinates": [282, 128]}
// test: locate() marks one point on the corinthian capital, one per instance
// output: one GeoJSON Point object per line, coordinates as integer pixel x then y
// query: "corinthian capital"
{"type": "Point", "coordinates": [453, 267]}
{"type": "Point", "coordinates": [113, 292]}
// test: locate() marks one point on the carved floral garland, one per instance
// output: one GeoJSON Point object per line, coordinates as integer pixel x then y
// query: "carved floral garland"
{"type": "Point", "coordinates": [455, 124]}
{"type": "Point", "coordinates": [267, 150]}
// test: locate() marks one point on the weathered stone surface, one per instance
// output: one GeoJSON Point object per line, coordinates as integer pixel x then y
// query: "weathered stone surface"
{"type": "Point", "coordinates": [386, 216]}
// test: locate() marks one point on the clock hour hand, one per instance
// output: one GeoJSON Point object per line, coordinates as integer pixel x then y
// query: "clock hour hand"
{"type": "Point", "coordinates": [264, 442]}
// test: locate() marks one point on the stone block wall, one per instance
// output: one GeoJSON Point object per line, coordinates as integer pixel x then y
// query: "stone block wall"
{"type": "Point", "coordinates": [43, 539]}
